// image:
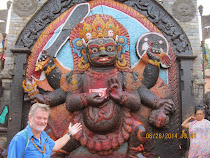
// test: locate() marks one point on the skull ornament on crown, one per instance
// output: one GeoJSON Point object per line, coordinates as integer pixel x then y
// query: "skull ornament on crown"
{"type": "Point", "coordinates": [99, 29]}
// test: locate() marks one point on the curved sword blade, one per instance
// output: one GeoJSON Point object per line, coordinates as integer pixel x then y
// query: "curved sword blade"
{"type": "Point", "coordinates": [77, 15]}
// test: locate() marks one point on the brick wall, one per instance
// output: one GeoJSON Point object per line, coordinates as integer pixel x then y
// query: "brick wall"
{"type": "Point", "coordinates": [191, 28]}
{"type": "Point", "coordinates": [17, 24]}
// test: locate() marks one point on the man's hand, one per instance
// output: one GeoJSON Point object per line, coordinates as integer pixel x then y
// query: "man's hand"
{"type": "Point", "coordinates": [75, 128]}
{"type": "Point", "coordinates": [59, 143]}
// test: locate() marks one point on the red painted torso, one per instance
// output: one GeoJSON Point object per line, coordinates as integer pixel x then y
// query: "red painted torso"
{"type": "Point", "coordinates": [105, 118]}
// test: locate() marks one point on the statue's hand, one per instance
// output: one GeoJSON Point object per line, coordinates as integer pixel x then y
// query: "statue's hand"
{"type": "Point", "coordinates": [37, 98]}
{"type": "Point", "coordinates": [153, 57]}
{"type": "Point", "coordinates": [94, 99]}
{"type": "Point", "coordinates": [115, 89]}
{"type": "Point", "coordinates": [165, 60]}
{"type": "Point", "coordinates": [168, 105]}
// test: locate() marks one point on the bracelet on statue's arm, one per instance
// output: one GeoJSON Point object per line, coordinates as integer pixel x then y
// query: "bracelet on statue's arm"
{"type": "Point", "coordinates": [124, 99]}
{"type": "Point", "coordinates": [83, 100]}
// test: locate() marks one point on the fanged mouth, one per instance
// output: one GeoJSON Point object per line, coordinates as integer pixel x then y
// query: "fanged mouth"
{"type": "Point", "coordinates": [103, 59]}
{"type": "Point", "coordinates": [156, 50]}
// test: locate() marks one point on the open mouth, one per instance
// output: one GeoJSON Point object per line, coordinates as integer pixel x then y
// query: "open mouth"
{"type": "Point", "coordinates": [155, 50]}
{"type": "Point", "coordinates": [104, 59]}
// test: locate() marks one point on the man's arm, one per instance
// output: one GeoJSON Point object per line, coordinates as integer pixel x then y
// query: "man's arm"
{"type": "Point", "coordinates": [63, 140]}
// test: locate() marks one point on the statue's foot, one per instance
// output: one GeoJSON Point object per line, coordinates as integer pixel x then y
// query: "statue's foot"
{"type": "Point", "coordinates": [133, 151]}
{"type": "Point", "coordinates": [137, 149]}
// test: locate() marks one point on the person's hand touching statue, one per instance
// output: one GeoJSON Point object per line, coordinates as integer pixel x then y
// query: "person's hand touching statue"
{"type": "Point", "coordinates": [74, 129]}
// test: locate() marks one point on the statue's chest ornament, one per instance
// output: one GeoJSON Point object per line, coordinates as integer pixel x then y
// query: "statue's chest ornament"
{"type": "Point", "coordinates": [102, 75]}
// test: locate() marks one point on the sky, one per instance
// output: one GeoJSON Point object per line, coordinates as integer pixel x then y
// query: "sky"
{"type": "Point", "coordinates": [3, 4]}
{"type": "Point", "coordinates": [205, 4]}
{"type": "Point", "coordinates": [206, 11]}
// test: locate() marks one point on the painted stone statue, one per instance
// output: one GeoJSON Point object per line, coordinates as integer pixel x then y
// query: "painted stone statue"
{"type": "Point", "coordinates": [102, 91]}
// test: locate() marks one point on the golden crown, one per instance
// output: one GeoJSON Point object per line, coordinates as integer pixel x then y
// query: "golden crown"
{"type": "Point", "coordinates": [99, 29]}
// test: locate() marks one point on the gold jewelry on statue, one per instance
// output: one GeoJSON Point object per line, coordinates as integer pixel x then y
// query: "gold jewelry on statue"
{"type": "Point", "coordinates": [40, 65]}
{"type": "Point", "coordinates": [83, 99]}
{"type": "Point", "coordinates": [63, 83]}
{"type": "Point", "coordinates": [49, 69]}
{"type": "Point", "coordinates": [38, 147]}
{"type": "Point", "coordinates": [121, 63]}
{"type": "Point", "coordinates": [155, 63]}
{"type": "Point", "coordinates": [83, 67]}
{"type": "Point", "coordinates": [100, 27]}
{"type": "Point", "coordinates": [25, 84]}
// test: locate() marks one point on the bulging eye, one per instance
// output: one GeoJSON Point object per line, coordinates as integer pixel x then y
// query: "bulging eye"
{"type": "Point", "coordinates": [94, 50]}
{"type": "Point", "coordinates": [109, 48]}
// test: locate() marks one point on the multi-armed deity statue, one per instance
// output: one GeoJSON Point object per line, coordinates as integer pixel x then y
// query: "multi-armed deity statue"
{"type": "Point", "coordinates": [111, 76]}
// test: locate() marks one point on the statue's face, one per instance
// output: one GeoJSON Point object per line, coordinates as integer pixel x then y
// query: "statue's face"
{"type": "Point", "coordinates": [102, 51]}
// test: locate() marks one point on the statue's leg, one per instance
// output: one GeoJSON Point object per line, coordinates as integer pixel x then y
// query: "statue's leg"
{"type": "Point", "coordinates": [136, 141]}
{"type": "Point", "coordinates": [138, 145]}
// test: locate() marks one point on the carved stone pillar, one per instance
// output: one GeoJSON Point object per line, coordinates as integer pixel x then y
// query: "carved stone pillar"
{"type": "Point", "coordinates": [186, 85]}
{"type": "Point", "coordinates": [16, 95]}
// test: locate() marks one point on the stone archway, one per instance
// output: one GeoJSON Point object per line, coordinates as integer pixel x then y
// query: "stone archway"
{"type": "Point", "coordinates": [165, 24]}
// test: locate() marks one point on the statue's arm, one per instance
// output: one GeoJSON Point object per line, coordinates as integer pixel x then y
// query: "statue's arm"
{"type": "Point", "coordinates": [131, 100]}
{"type": "Point", "coordinates": [149, 99]}
{"type": "Point", "coordinates": [75, 101]}
{"type": "Point", "coordinates": [78, 98]}
{"type": "Point", "coordinates": [127, 97]}
{"type": "Point", "coordinates": [53, 98]}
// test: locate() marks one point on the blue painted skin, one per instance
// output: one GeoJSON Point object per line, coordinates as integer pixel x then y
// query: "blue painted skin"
{"type": "Point", "coordinates": [67, 59]}
{"type": "Point", "coordinates": [65, 56]}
